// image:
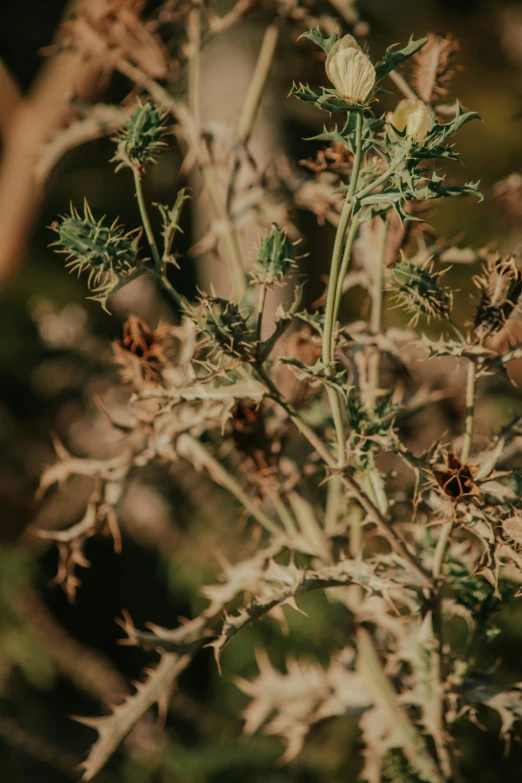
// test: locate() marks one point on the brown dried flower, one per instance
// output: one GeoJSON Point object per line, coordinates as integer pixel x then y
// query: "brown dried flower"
{"type": "Point", "coordinates": [457, 479]}
{"type": "Point", "coordinates": [143, 352]}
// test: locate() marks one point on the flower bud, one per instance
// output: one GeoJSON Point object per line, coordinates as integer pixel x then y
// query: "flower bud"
{"type": "Point", "coordinates": [414, 116]}
{"type": "Point", "coordinates": [350, 70]}
{"type": "Point", "coordinates": [141, 139]}
{"type": "Point", "coordinates": [225, 325]}
{"type": "Point", "coordinates": [418, 290]}
{"type": "Point", "coordinates": [275, 258]}
{"type": "Point", "coordinates": [106, 252]}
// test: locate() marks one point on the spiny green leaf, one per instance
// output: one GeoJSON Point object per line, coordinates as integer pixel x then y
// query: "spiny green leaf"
{"type": "Point", "coordinates": [318, 38]}
{"type": "Point", "coordinates": [329, 100]}
{"type": "Point", "coordinates": [394, 57]}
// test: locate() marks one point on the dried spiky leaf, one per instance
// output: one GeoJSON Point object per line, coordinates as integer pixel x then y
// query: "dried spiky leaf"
{"type": "Point", "coordinates": [301, 696]}
{"type": "Point", "coordinates": [500, 289]}
{"type": "Point", "coordinates": [434, 67]}
{"type": "Point", "coordinates": [113, 728]}
{"type": "Point", "coordinates": [143, 352]}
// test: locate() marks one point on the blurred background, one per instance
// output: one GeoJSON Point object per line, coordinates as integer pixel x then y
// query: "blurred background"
{"type": "Point", "coordinates": [58, 659]}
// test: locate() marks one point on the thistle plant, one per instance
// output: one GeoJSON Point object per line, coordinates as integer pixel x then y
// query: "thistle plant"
{"type": "Point", "coordinates": [414, 536]}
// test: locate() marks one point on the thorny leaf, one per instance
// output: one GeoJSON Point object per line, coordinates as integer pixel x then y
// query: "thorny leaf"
{"type": "Point", "coordinates": [289, 703]}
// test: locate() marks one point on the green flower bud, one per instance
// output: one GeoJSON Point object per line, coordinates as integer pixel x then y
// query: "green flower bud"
{"type": "Point", "coordinates": [418, 291]}
{"type": "Point", "coordinates": [350, 70]}
{"type": "Point", "coordinates": [275, 258]}
{"type": "Point", "coordinates": [141, 139]}
{"type": "Point", "coordinates": [107, 253]}
{"type": "Point", "coordinates": [224, 324]}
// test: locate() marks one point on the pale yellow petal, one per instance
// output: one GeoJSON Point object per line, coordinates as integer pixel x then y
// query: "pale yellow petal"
{"type": "Point", "coordinates": [414, 116]}
{"type": "Point", "coordinates": [351, 72]}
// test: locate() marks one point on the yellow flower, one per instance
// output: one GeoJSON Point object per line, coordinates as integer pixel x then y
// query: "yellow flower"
{"type": "Point", "coordinates": [350, 70]}
{"type": "Point", "coordinates": [415, 116]}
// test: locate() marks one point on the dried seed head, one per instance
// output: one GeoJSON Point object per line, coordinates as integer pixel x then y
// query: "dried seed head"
{"type": "Point", "coordinates": [106, 252]}
{"type": "Point", "coordinates": [457, 479]}
{"type": "Point", "coordinates": [143, 352]}
{"type": "Point", "coordinates": [414, 116]}
{"type": "Point", "coordinates": [419, 292]}
{"type": "Point", "coordinates": [224, 324]}
{"type": "Point", "coordinates": [500, 295]}
{"type": "Point", "coordinates": [141, 139]}
{"type": "Point", "coordinates": [275, 258]}
{"type": "Point", "coordinates": [350, 70]}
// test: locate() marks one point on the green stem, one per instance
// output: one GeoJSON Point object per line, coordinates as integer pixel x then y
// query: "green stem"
{"type": "Point", "coordinates": [337, 254]}
{"type": "Point", "coordinates": [179, 300]}
{"type": "Point", "coordinates": [145, 219]}
{"type": "Point", "coordinates": [333, 299]}
{"type": "Point", "coordinates": [440, 549]}
{"type": "Point", "coordinates": [395, 540]}
{"type": "Point", "coordinates": [471, 389]}
{"type": "Point", "coordinates": [382, 178]}
{"type": "Point", "coordinates": [347, 256]}
{"type": "Point", "coordinates": [260, 309]}
{"type": "Point", "coordinates": [374, 360]}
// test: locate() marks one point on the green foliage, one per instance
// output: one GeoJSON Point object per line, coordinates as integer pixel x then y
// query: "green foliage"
{"type": "Point", "coordinates": [327, 100]}
{"type": "Point", "coordinates": [318, 38]}
{"type": "Point", "coordinates": [394, 57]}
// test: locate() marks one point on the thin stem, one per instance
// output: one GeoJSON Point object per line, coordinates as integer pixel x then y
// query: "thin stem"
{"type": "Point", "coordinates": [374, 360]}
{"type": "Point", "coordinates": [347, 256]}
{"type": "Point", "coordinates": [333, 502]}
{"type": "Point", "coordinates": [337, 254]}
{"type": "Point", "coordinates": [145, 218]}
{"type": "Point", "coordinates": [261, 298]}
{"type": "Point", "coordinates": [396, 541]}
{"type": "Point", "coordinates": [257, 83]}
{"type": "Point", "coordinates": [440, 549]}
{"type": "Point", "coordinates": [334, 283]}
{"type": "Point", "coordinates": [301, 425]}
{"type": "Point", "coordinates": [193, 450]}
{"type": "Point", "coordinates": [382, 178]}
{"type": "Point", "coordinates": [282, 512]}
{"type": "Point", "coordinates": [471, 390]}
{"type": "Point", "coordinates": [385, 696]}
{"type": "Point", "coordinates": [333, 300]}
{"type": "Point", "coordinates": [192, 137]}
{"type": "Point", "coordinates": [457, 331]}
{"type": "Point", "coordinates": [447, 762]}
{"type": "Point", "coordinates": [179, 300]}
{"type": "Point", "coordinates": [403, 85]}
{"type": "Point", "coordinates": [194, 62]}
